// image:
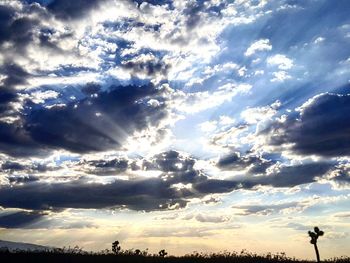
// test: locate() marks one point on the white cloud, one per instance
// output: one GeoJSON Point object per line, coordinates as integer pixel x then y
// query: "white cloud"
{"type": "Point", "coordinates": [41, 96]}
{"type": "Point", "coordinates": [226, 120]}
{"type": "Point", "coordinates": [260, 45]}
{"type": "Point", "coordinates": [281, 61]}
{"type": "Point", "coordinates": [319, 40]}
{"type": "Point", "coordinates": [280, 76]}
{"type": "Point", "coordinates": [199, 101]}
{"type": "Point", "coordinates": [255, 115]}
{"type": "Point", "coordinates": [208, 126]}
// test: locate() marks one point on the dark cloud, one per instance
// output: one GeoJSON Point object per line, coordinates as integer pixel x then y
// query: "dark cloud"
{"type": "Point", "coordinates": [15, 141]}
{"type": "Point", "coordinates": [176, 168]}
{"type": "Point", "coordinates": [20, 219]}
{"type": "Point", "coordinates": [321, 129]}
{"type": "Point", "coordinates": [78, 127]}
{"type": "Point", "coordinates": [6, 17]}
{"type": "Point", "coordinates": [192, 13]}
{"type": "Point", "coordinates": [235, 161]}
{"type": "Point", "coordinates": [6, 95]}
{"type": "Point", "coordinates": [137, 194]}
{"type": "Point", "coordinates": [195, 10]}
{"type": "Point", "coordinates": [148, 67]}
{"type": "Point", "coordinates": [20, 179]}
{"type": "Point", "coordinates": [341, 173]}
{"type": "Point", "coordinates": [19, 31]}
{"type": "Point", "coordinates": [154, 2]}
{"type": "Point", "coordinates": [280, 175]}
{"type": "Point", "coordinates": [104, 167]}
{"type": "Point", "coordinates": [289, 176]}
{"type": "Point", "coordinates": [92, 124]}
{"type": "Point", "coordinates": [91, 88]}
{"type": "Point", "coordinates": [68, 10]}
{"type": "Point", "coordinates": [15, 74]}
{"type": "Point", "coordinates": [210, 186]}
{"type": "Point", "coordinates": [12, 166]}
{"type": "Point", "coordinates": [162, 192]}
{"type": "Point", "coordinates": [145, 194]}
{"type": "Point", "coordinates": [170, 161]}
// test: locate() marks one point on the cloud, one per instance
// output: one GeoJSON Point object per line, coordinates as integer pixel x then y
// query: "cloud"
{"type": "Point", "coordinates": [235, 161]}
{"type": "Point", "coordinates": [259, 45]}
{"type": "Point", "coordinates": [270, 172]}
{"type": "Point", "coordinates": [161, 192]}
{"type": "Point", "coordinates": [204, 218]}
{"type": "Point", "coordinates": [8, 165]}
{"type": "Point", "coordinates": [116, 114]}
{"type": "Point", "coordinates": [13, 75]}
{"type": "Point", "coordinates": [293, 175]}
{"type": "Point", "coordinates": [146, 194]}
{"type": "Point", "coordinates": [194, 102]}
{"type": "Point", "coordinates": [265, 209]}
{"type": "Point", "coordinates": [141, 193]}
{"type": "Point", "coordinates": [67, 10]}
{"type": "Point", "coordinates": [112, 166]}
{"type": "Point", "coordinates": [26, 168]}
{"type": "Point", "coordinates": [281, 61]}
{"type": "Point", "coordinates": [17, 30]}
{"type": "Point", "coordinates": [321, 127]}
{"type": "Point", "coordinates": [19, 219]}
{"type": "Point", "coordinates": [146, 64]}
{"type": "Point", "coordinates": [280, 76]}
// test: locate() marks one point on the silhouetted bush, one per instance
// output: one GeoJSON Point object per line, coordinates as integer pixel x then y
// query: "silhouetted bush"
{"type": "Point", "coordinates": [78, 255]}
{"type": "Point", "coordinates": [115, 247]}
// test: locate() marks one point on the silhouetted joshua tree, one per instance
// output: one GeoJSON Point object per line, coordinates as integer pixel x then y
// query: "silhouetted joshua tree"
{"type": "Point", "coordinates": [115, 247]}
{"type": "Point", "coordinates": [162, 253]}
{"type": "Point", "coordinates": [314, 236]}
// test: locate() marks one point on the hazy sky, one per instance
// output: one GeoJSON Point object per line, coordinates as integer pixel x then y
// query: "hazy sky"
{"type": "Point", "coordinates": [183, 125]}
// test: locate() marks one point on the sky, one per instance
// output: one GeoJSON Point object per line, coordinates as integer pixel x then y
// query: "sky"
{"type": "Point", "coordinates": [197, 125]}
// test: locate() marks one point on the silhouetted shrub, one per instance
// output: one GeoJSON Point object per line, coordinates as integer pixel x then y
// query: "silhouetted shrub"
{"type": "Point", "coordinates": [115, 247]}
{"type": "Point", "coordinates": [162, 253]}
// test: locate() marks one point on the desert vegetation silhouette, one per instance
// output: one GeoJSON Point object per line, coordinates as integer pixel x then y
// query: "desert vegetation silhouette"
{"type": "Point", "coordinates": [314, 237]}
{"type": "Point", "coordinates": [117, 254]}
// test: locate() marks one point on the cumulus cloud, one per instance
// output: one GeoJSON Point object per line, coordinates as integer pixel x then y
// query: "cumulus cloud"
{"type": "Point", "coordinates": [271, 172]}
{"type": "Point", "coordinates": [91, 124]}
{"type": "Point", "coordinates": [142, 193]}
{"type": "Point", "coordinates": [319, 129]}
{"type": "Point", "coordinates": [159, 192]}
{"type": "Point", "coordinates": [259, 45]}
{"type": "Point", "coordinates": [65, 9]}
{"type": "Point", "coordinates": [235, 161]}
{"type": "Point", "coordinates": [281, 61]}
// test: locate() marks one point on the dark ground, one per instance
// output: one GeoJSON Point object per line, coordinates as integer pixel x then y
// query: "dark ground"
{"type": "Point", "coordinates": [63, 257]}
